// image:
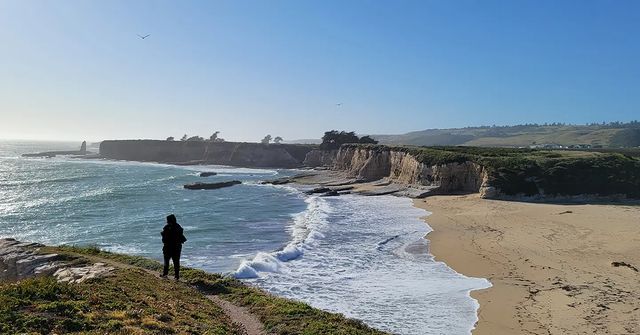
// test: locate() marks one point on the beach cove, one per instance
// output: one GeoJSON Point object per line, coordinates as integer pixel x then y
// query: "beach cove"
{"type": "Point", "coordinates": [555, 268]}
{"type": "Point", "coordinates": [305, 247]}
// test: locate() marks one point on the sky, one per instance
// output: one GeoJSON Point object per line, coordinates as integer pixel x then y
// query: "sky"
{"type": "Point", "coordinates": [74, 70]}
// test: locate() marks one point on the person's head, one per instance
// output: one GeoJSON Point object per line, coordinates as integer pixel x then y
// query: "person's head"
{"type": "Point", "coordinates": [171, 219]}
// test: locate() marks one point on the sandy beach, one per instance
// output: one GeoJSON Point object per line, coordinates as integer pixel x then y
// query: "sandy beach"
{"type": "Point", "coordinates": [555, 269]}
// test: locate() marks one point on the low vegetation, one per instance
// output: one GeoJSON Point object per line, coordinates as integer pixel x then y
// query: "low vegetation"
{"type": "Point", "coordinates": [333, 139]}
{"type": "Point", "coordinates": [132, 300]}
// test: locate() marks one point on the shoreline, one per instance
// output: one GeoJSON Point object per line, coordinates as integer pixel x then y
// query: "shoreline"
{"type": "Point", "coordinates": [534, 256]}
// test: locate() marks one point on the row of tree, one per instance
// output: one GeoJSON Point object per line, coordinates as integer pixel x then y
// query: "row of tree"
{"type": "Point", "coordinates": [267, 139]}
{"type": "Point", "coordinates": [333, 139]}
{"type": "Point", "coordinates": [215, 138]}
{"type": "Point", "coordinates": [185, 138]}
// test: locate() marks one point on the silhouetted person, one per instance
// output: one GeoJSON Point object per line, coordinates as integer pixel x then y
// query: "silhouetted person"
{"type": "Point", "coordinates": [172, 238]}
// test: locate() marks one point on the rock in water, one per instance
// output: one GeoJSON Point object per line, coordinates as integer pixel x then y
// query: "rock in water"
{"type": "Point", "coordinates": [207, 174]}
{"type": "Point", "coordinates": [318, 190]}
{"type": "Point", "coordinates": [211, 186]}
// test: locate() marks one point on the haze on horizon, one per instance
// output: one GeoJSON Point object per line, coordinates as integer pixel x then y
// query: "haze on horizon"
{"type": "Point", "coordinates": [72, 70]}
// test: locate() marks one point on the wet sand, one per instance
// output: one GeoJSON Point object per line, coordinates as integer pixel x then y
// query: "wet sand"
{"type": "Point", "coordinates": [555, 269]}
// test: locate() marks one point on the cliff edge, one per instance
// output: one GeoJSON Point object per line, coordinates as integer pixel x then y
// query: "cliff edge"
{"type": "Point", "coordinates": [493, 172]}
{"type": "Point", "coordinates": [204, 152]}
{"type": "Point", "coordinates": [123, 294]}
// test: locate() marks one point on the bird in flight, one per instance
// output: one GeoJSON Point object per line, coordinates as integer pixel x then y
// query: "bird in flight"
{"type": "Point", "coordinates": [143, 37]}
{"type": "Point", "coordinates": [339, 104]}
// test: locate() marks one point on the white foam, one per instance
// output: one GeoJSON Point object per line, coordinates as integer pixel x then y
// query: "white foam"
{"type": "Point", "coordinates": [366, 257]}
{"type": "Point", "coordinates": [304, 233]}
{"type": "Point", "coordinates": [229, 170]}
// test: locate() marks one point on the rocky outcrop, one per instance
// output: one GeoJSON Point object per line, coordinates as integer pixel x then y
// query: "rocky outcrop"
{"type": "Point", "coordinates": [49, 154]}
{"type": "Point", "coordinates": [211, 186]}
{"type": "Point", "coordinates": [403, 168]}
{"type": "Point", "coordinates": [203, 152]}
{"type": "Point", "coordinates": [20, 260]}
{"type": "Point", "coordinates": [82, 273]}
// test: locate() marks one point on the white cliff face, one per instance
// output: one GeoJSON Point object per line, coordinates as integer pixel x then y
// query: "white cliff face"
{"type": "Point", "coordinates": [319, 158]}
{"type": "Point", "coordinates": [455, 177]}
{"type": "Point", "coordinates": [404, 168]}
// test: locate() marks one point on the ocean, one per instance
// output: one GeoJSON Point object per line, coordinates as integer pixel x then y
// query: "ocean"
{"type": "Point", "coordinates": [365, 257]}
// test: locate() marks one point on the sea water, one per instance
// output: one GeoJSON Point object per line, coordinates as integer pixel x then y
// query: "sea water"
{"type": "Point", "coordinates": [365, 257]}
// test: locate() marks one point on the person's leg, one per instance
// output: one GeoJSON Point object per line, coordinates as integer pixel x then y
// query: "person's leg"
{"type": "Point", "coordinates": [176, 261]}
{"type": "Point", "coordinates": [165, 271]}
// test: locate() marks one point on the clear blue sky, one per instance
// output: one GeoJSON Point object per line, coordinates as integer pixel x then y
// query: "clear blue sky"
{"type": "Point", "coordinates": [78, 70]}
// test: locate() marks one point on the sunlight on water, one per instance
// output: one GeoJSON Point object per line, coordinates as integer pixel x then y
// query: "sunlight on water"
{"type": "Point", "coordinates": [365, 257]}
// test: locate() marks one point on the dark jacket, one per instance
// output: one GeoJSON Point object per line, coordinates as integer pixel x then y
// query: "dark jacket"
{"type": "Point", "coordinates": [173, 236]}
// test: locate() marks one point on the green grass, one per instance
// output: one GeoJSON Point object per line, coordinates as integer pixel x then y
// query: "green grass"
{"type": "Point", "coordinates": [130, 301]}
{"type": "Point", "coordinates": [134, 301]}
{"type": "Point", "coordinates": [522, 136]}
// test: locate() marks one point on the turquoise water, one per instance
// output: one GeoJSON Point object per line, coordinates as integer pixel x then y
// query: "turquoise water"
{"type": "Point", "coordinates": [121, 206]}
{"type": "Point", "coordinates": [365, 257]}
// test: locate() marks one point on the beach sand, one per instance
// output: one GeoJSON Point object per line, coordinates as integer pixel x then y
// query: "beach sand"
{"type": "Point", "coordinates": [550, 265]}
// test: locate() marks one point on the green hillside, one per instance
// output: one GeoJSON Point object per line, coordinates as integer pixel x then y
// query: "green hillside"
{"type": "Point", "coordinates": [612, 135]}
{"type": "Point", "coordinates": [134, 300]}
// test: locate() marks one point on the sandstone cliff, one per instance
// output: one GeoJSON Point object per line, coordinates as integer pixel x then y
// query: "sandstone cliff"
{"type": "Point", "coordinates": [493, 172]}
{"type": "Point", "coordinates": [320, 158]}
{"type": "Point", "coordinates": [200, 152]}
{"type": "Point", "coordinates": [403, 168]}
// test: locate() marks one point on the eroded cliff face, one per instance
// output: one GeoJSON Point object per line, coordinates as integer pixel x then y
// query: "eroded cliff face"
{"type": "Point", "coordinates": [403, 168]}
{"type": "Point", "coordinates": [223, 153]}
{"type": "Point", "coordinates": [320, 158]}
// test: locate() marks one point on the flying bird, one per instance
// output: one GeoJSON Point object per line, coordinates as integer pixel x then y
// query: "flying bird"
{"type": "Point", "coordinates": [339, 104]}
{"type": "Point", "coordinates": [143, 37]}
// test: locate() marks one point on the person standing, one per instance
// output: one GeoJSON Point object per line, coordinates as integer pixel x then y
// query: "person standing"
{"type": "Point", "coordinates": [172, 239]}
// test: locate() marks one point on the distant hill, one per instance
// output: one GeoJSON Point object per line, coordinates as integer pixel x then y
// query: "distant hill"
{"type": "Point", "coordinates": [611, 135]}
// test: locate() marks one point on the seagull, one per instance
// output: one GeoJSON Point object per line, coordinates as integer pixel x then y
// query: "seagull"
{"type": "Point", "coordinates": [143, 37]}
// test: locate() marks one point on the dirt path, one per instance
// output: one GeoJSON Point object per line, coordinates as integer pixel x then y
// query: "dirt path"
{"type": "Point", "coordinates": [240, 315]}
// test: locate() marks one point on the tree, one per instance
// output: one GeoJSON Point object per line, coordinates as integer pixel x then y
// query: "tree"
{"type": "Point", "coordinates": [368, 140]}
{"type": "Point", "coordinates": [195, 139]}
{"type": "Point", "coordinates": [266, 139]}
{"type": "Point", "coordinates": [277, 140]}
{"type": "Point", "coordinates": [334, 139]}
{"type": "Point", "coordinates": [184, 138]}
{"type": "Point", "coordinates": [170, 138]}
{"type": "Point", "coordinates": [214, 136]}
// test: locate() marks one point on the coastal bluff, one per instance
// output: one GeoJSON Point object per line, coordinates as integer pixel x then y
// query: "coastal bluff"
{"type": "Point", "coordinates": [203, 152]}
{"type": "Point", "coordinates": [84, 290]}
{"type": "Point", "coordinates": [504, 173]}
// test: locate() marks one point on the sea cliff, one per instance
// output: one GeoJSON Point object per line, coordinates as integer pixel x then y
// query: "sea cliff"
{"type": "Point", "coordinates": [204, 152]}
{"type": "Point", "coordinates": [492, 172]}
{"type": "Point", "coordinates": [83, 290]}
